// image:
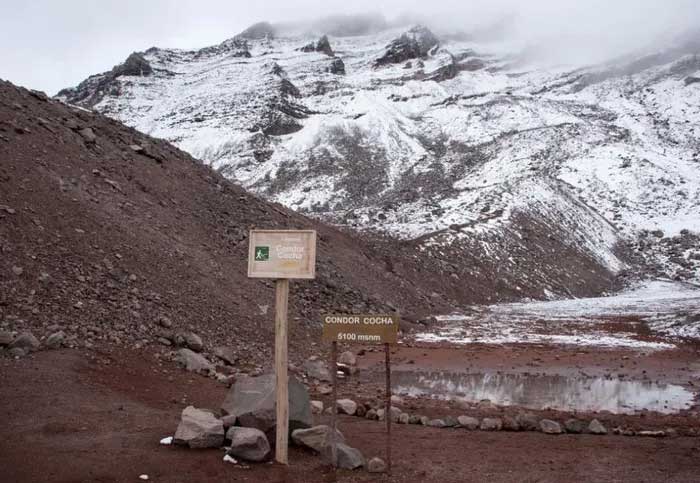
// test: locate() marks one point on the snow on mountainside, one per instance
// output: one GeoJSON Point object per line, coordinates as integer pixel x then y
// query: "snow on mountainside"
{"type": "Point", "coordinates": [554, 178]}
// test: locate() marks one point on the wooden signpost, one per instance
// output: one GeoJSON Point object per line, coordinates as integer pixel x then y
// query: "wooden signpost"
{"type": "Point", "coordinates": [282, 255]}
{"type": "Point", "coordinates": [362, 329]}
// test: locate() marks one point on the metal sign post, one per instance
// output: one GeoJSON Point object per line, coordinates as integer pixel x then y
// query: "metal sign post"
{"type": "Point", "coordinates": [282, 255]}
{"type": "Point", "coordinates": [363, 329]}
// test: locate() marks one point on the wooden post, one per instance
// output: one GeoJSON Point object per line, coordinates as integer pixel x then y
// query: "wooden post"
{"type": "Point", "coordinates": [282, 382]}
{"type": "Point", "coordinates": [334, 405]}
{"type": "Point", "coordinates": [387, 413]}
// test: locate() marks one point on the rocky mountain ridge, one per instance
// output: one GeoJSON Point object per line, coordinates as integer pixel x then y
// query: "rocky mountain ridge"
{"type": "Point", "coordinates": [458, 147]}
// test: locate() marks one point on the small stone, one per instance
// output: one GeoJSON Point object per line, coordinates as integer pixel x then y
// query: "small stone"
{"type": "Point", "coordinates": [424, 420]}
{"type": "Point", "coordinates": [55, 340]}
{"type": "Point", "coordinates": [226, 354]}
{"type": "Point", "coordinates": [136, 148]}
{"type": "Point", "coordinates": [574, 426]}
{"type": "Point", "coordinates": [165, 322]}
{"type": "Point", "coordinates": [199, 429]}
{"type": "Point", "coordinates": [595, 427]}
{"type": "Point", "coordinates": [371, 414]}
{"type": "Point", "coordinates": [17, 270]}
{"type": "Point", "coordinates": [528, 422]}
{"type": "Point", "coordinates": [361, 411]}
{"type": "Point", "coordinates": [376, 465]}
{"type": "Point", "coordinates": [348, 358]}
{"type": "Point", "coordinates": [193, 341]}
{"type": "Point", "coordinates": [17, 352]}
{"type": "Point", "coordinates": [414, 419]}
{"type": "Point", "coordinates": [346, 406]}
{"type": "Point", "coordinates": [248, 443]}
{"type": "Point", "coordinates": [194, 362]}
{"type": "Point", "coordinates": [548, 426]}
{"type": "Point", "coordinates": [348, 458]}
{"type": "Point", "coordinates": [316, 407]}
{"type": "Point", "coordinates": [88, 135]}
{"type": "Point", "coordinates": [436, 423]}
{"type": "Point", "coordinates": [317, 369]}
{"type": "Point", "coordinates": [403, 418]}
{"type": "Point", "coordinates": [510, 424]}
{"type": "Point", "coordinates": [396, 400]}
{"type": "Point", "coordinates": [491, 424]}
{"type": "Point", "coordinates": [468, 422]}
{"type": "Point", "coordinates": [317, 438]}
{"type": "Point", "coordinates": [25, 341]}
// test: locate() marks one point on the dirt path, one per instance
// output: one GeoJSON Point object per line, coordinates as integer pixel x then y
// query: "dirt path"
{"type": "Point", "coordinates": [72, 416]}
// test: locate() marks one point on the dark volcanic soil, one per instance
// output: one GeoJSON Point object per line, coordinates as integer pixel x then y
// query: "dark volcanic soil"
{"type": "Point", "coordinates": [73, 416]}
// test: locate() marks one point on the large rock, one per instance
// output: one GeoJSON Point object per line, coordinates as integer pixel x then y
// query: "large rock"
{"type": "Point", "coordinates": [194, 362]}
{"type": "Point", "coordinates": [317, 369]}
{"type": "Point", "coordinates": [468, 422]}
{"type": "Point", "coordinates": [226, 354]}
{"type": "Point", "coordinates": [248, 443]}
{"type": "Point", "coordinates": [596, 427]}
{"type": "Point", "coordinates": [55, 340]}
{"type": "Point", "coordinates": [491, 424]}
{"type": "Point", "coordinates": [316, 438]}
{"type": "Point", "coordinates": [548, 426]}
{"type": "Point", "coordinates": [252, 400]}
{"type": "Point", "coordinates": [574, 426]}
{"type": "Point", "coordinates": [199, 429]}
{"type": "Point", "coordinates": [193, 341]}
{"type": "Point", "coordinates": [346, 406]}
{"type": "Point", "coordinates": [25, 341]}
{"type": "Point", "coordinates": [528, 422]}
{"type": "Point", "coordinates": [414, 44]}
{"type": "Point", "coordinates": [337, 66]}
{"type": "Point", "coordinates": [347, 458]}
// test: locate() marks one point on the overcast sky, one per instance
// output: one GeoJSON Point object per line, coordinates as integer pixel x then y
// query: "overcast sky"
{"type": "Point", "coordinates": [51, 44]}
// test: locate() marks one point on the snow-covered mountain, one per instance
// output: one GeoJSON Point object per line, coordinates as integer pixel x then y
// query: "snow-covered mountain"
{"type": "Point", "coordinates": [557, 179]}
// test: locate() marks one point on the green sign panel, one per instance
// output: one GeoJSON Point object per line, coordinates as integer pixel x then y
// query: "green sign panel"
{"type": "Point", "coordinates": [262, 254]}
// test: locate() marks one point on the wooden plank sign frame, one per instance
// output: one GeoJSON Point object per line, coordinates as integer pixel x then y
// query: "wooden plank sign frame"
{"type": "Point", "coordinates": [361, 329]}
{"type": "Point", "coordinates": [282, 255]}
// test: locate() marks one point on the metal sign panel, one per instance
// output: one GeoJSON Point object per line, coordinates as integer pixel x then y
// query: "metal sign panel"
{"type": "Point", "coordinates": [361, 329]}
{"type": "Point", "coordinates": [282, 254]}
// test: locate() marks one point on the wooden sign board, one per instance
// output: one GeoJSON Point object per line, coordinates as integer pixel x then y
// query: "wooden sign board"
{"type": "Point", "coordinates": [361, 329]}
{"type": "Point", "coordinates": [282, 254]}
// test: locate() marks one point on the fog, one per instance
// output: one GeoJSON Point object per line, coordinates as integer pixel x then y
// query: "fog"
{"type": "Point", "coordinates": [48, 45]}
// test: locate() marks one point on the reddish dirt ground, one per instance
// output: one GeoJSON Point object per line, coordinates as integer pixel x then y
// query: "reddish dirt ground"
{"type": "Point", "coordinates": [76, 416]}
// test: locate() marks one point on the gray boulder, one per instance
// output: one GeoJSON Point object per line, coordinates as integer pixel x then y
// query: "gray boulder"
{"type": "Point", "coordinates": [347, 458]}
{"type": "Point", "coordinates": [193, 341]}
{"type": "Point", "coordinates": [317, 369]}
{"type": "Point", "coordinates": [404, 418]}
{"type": "Point", "coordinates": [528, 422]}
{"type": "Point", "coordinates": [468, 422]}
{"type": "Point", "coordinates": [194, 362]}
{"type": "Point", "coordinates": [451, 421]}
{"type": "Point", "coordinates": [548, 426]}
{"type": "Point", "coordinates": [436, 423]}
{"type": "Point", "coordinates": [574, 426]}
{"type": "Point", "coordinates": [226, 354]}
{"type": "Point", "coordinates": [346, 406]}
{"type": "Point", "coordinates": [510, 424]}
{"type": "Point", "coordinates": [199, 429]}
{"type": "Point", "coordinates": [491, 424]}
{"type": "Point", "coordinates": [248, 443]}
{"type": "Point", "coordinates": [317, 438]}
{"type": "Point", "coordinates": [596, 427]}
{"type": "Point", "coordinates": [55, 340]}
{"type": "Point", "coordinates": [25, 341]}
{"type": "Point", "coordinates": [252, 400]}
{"type": "Point", "coordinates": [88, 135]}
